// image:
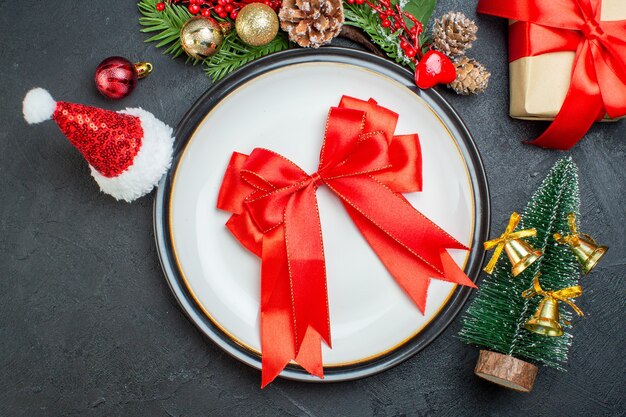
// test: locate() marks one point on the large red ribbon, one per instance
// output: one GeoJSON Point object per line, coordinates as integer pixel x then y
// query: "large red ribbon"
{"type": "Point", "coordinates": [598, 81]}
{"type": "Point", "coordinates": [275, 216]}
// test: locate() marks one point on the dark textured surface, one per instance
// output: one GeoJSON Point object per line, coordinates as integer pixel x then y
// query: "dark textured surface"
{"type": "Point", "coordinates": [88, 326]}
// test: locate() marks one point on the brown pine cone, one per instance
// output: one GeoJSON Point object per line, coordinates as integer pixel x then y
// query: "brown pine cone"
{"type": "Point", "coordinates": [454, 33]}
{"type": "Point", "coordinates": [311, 23]}
{"type": "Point", "coordinates": [471, 77]}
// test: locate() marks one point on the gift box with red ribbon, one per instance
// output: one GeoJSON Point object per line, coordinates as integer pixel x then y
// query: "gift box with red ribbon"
{"type": "Point", "coordinates": [567, 61]}
{"type": "Point", "coordinates": [275, 216]}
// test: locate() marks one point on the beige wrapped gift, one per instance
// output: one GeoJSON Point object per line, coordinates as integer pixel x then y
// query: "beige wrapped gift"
{"type": "Point", "coordinates": [539, 84]}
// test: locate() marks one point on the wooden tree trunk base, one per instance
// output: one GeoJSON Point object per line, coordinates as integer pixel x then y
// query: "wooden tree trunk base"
{"type": "Point", "coordinates": [506, 371]}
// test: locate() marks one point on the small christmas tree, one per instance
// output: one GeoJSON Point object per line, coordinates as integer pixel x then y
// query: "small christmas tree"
{"type": "Point", "coordinates": [495, 320]}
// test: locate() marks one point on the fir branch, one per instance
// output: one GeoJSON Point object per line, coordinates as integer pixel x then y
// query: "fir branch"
{"type": "Point", "coordinates": [167, 23]}
{"type": "Point", "coordinates": [234, 54]}
{"type": "Point", "coordinates": [363, 17]}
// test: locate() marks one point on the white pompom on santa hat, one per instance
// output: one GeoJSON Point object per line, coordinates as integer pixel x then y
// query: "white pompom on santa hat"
{"type": "Point", "coordinates": [127, 151]}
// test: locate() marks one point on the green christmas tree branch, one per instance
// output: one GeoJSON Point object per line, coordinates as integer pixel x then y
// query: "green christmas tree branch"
{"type": "Point", "coordinates": [495, 319]}
{"type": "Point", "coordinates": [234, 54]}
{"type": "Point", "coordinates": [366, 19]}
{"type": "Point", "coordinates": [165, 26]}
{"type": "Point", "coordinates": [167, 23]}
{"type": "Point", "coordinates": [361, 16]}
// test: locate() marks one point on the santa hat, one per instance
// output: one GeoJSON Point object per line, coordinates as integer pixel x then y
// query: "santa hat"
{"type": "Point", "coordinates": [127, 151]}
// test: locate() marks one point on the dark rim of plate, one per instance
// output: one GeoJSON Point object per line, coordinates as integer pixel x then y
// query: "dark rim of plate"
{"type": "Point", "coordinates": [460, 134]}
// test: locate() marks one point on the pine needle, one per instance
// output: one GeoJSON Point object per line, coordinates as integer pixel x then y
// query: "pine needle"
{"type": "Point", "coordinates": [234, 54]}
{"type": "Point", "coordinates": [165, 28]}
{"type": "Point", "coordinates": [167, 23]}
{"type": "Point", "coordinates": [361, 16]}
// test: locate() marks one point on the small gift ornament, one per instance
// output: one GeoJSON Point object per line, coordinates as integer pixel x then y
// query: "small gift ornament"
{"type": "Point", "coordinates": [563, 54]}
{"type": "Point", "coordinates": [587, 250]}
{"type": "Point", "coordinates": [520, 253]}
{"type": "Point", "coordinates": [546, 320]}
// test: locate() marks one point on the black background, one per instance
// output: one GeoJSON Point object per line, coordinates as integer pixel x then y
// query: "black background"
{"type": "Point", "coordinates": [88, 326]}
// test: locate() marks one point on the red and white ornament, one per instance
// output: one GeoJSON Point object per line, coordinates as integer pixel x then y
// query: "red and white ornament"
{"type": "Point", "coordinates": [127, 151]}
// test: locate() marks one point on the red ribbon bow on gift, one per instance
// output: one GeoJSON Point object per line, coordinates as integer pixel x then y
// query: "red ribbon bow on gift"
{"type": "Point", "coordinates": [276, 217]}
{"type": "Point", "coordinates": [598, 84]}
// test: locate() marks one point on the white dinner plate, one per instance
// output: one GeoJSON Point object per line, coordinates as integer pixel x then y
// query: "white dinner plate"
{"type": "Point", "coordinates": [281, 103]}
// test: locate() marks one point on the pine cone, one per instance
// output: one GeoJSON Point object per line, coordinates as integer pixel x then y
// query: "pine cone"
{"type": "Point", "coordinates": [454, 33]}
{"type": "Point", "coordinates": [311, 23]}
{"type": "Point", "coordinates": [471, 77]}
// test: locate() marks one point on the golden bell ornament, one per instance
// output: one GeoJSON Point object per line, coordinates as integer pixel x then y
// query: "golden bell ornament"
{"type": "Point", "coordinates": [256, 24]}
{"type": "Point", "coordinates": [201, 37]}
{"type": "Point", "coordinates": [520, 253]}
{"type": "Point", "coordinates": [586, 250]}
{"type": "Point", "coordinates": [546, 321]}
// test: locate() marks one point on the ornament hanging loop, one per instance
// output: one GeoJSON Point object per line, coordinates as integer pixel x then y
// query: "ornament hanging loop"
{"type": "Point", "coordinates": [143, 69]}
{"type": "Point", "coordinates": [225, 26]}
{"type": "Point", "coordinates": [585, 248]}
{"type": "Point", "coordinates": [520, 253]}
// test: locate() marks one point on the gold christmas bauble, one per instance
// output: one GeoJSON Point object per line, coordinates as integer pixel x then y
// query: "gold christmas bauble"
{"type": "Point", "coordinates": [201, 37]}
{"type": "Point", "coordinates": [257, 24]}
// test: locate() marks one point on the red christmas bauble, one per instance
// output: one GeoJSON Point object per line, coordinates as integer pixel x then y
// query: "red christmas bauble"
{"type": "Point", "coordinates": [116, 77]}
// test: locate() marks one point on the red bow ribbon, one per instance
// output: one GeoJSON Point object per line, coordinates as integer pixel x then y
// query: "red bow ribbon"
{"type": "Point", "coordinates": [276, 217]}
{"type": "Point", "coordinates": [598, 83]}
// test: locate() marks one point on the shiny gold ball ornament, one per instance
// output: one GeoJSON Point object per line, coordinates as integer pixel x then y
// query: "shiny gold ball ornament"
{"type": "Point", "coordinates": [201, 37]}
{"type": "Point", "coordinates": [256, 24]}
